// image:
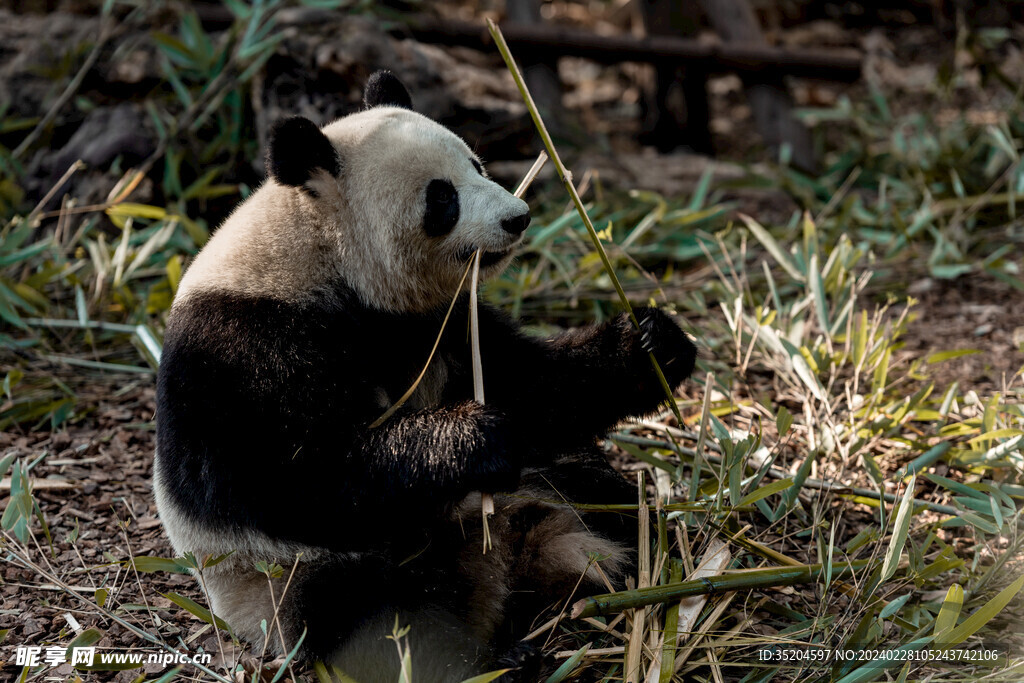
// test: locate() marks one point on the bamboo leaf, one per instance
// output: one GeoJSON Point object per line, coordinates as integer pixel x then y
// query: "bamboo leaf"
{"type": "Point", "coordinates": [894, 606]}
{"type": "Point", "coordinates": [148, 564]}
{"type": "Point", "coordinates": [783, 421]}
{"type": "Point", "coordinates": [945, 621]}
{"type": "Point", "coordinates": [86, 638]}
{"type": "Point", "coordinates": [288, 659]}
{"type": "Point", "coordinates": [765, 491]}
{"type": "Point", "coordinates": [194, 608]}
{"type": "Point", "coordinates": [956, 486]}
{"type": "Point", "coordinates": [899, 533]}
{"type": "Point", "coordinates": [943, 356]}
{"type": "Point", "coordinates": [568, 666]}
{"type": "Point", "coordinates": [984, 614]}
{"type": "Point", "coordinates": [769, 243]}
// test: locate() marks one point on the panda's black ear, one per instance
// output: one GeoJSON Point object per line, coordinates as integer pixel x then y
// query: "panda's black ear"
{"type": "Point", "coordinates": [296, 149]}
{"type": "Point", "coordinates": [383, 89]}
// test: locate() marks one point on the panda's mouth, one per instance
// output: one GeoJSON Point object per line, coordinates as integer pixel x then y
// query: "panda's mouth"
{"type": "Point", "coordinates": [488, 258]}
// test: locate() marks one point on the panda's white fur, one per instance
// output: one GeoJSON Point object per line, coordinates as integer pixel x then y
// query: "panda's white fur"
{"type": "Point", "coordinates": [306, 315]}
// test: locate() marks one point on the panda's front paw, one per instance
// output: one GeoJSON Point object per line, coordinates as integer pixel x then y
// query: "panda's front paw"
{"type": "Point", "coordinates": [660, 335]}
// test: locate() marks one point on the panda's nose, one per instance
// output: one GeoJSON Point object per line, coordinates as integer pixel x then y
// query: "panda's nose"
{"type": "Point", "coordinates": [516, 224]}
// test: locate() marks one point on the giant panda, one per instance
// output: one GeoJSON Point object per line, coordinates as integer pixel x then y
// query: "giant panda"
{"type": "Point", "coordinates": [309, 312]}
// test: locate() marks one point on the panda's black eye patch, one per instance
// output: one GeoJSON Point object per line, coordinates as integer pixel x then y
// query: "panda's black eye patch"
{"type": "Point", "coordinates": [442, 211]}
{"type": "Point", "coordinates": [477, 166]}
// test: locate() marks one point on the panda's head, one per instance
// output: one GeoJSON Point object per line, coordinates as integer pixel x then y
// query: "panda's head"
{"type": "Point", "coordinates": [403, 202]}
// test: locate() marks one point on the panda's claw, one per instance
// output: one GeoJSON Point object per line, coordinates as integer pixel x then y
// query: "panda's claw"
{"type": "Point", "coordinates": [645, 342]}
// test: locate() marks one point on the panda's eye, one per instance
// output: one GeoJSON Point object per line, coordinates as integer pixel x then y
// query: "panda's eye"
{"type": "Point", "coordinates": [442, 211]}
{"type": "Point", "coordinates": [477, 166]}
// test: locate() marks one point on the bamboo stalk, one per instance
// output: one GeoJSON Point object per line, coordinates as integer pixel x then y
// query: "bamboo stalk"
{"type": "Point", "coordinates": [486, 498]}
{"type": "Point", "coordinates": [611, 603]}
{"type": "Point", "coordinates": [566, 177]}
{"type": "Point", "coordinates": [635, 645]}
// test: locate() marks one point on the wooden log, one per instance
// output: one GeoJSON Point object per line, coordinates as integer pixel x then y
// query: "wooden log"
{"type": "Point", "coordinates": [546, 41]}
{"type": "Point", "coordinates": [769, 99]}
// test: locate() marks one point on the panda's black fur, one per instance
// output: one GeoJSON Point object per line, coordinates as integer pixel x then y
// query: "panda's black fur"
{"type": "Point", "coordinates": [265, 397]}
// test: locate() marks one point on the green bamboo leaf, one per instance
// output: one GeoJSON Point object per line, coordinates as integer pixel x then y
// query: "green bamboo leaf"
{"type": "Point", "coordinates": [765, 491]}
{"type": "Point", "coordinates": [213, 561]}
{"type": "Point", "coordinates": [149, 563]}
{"type": "Point", "coordinates": [86, 638]}
{"type": "Point", "coordinates": [175, 80]}
{"type": "Point", "coordinates": [649, 458]}
{"type": "Point", "coordinates": [818, 291]}
{"type": "Point", "coordinates": [174, 48]}
{"type": "Point", "coordinates": [194, 608]}
{"type": "Point", "coordinates": [700, 193]}
{"type": "Point", "coordinates": [7, 311]}
{"type": "Point", "coordinates": [984, 614]}
{"type": "Point", "coordinates": [980, 523]}
{"type": "Point", "coordinates": [899, 533]}
{"type": "Point", "coordinates": [5, 463]}
{"type": "Point", "coordinates": [24, 254]}
{"type": "Point", "coordinates": [134, 210]}
{"type": "Point", "coordinates": [945, 621]}
{"type": "Point", "coordinates": [769, 243]}
{"type": "Point", "coordinates": [996, 434]}
{"type": "Point", "coordinates": [956, 486]}
{"type": "Point", "coordinates": [942, 356]}
{"type": "Point", "coordinates": [288, 660]}
{"type": "Point", "coordinates": [568, 666]}
{"type": "Point", "coordinates": [783, 421]}
{"type": "Point", "coordinates": [894, 606]}
{"type": "Point", "coordinates": [789, 498]}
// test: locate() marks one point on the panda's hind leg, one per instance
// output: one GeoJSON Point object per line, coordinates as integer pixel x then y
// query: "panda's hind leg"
{"type": "Point", "coordinates": [544, 550]}
{"type": "Point", "coordinates": [442, 649]}
{"type": "Point", "coordinates": [352, 605]}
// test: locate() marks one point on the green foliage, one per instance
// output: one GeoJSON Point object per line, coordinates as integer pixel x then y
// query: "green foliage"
{"type": "Point", "coordinates": [910, 184]}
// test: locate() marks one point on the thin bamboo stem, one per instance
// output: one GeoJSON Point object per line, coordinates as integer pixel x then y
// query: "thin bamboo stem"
{"type": "Point", "coordinates": [611, 603]}
{"type": "Point", "coordinates": [409, 392]}
{"type": "Point", "coordinates": [487, 498]}
{"type": "Point", "coordinates": [566, 177]}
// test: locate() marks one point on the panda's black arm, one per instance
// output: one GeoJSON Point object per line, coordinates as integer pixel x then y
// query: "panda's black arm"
{"type": "Point", "coordinates": [584, 381]}
{"type": "Point", "coordinates": [440, 454]}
